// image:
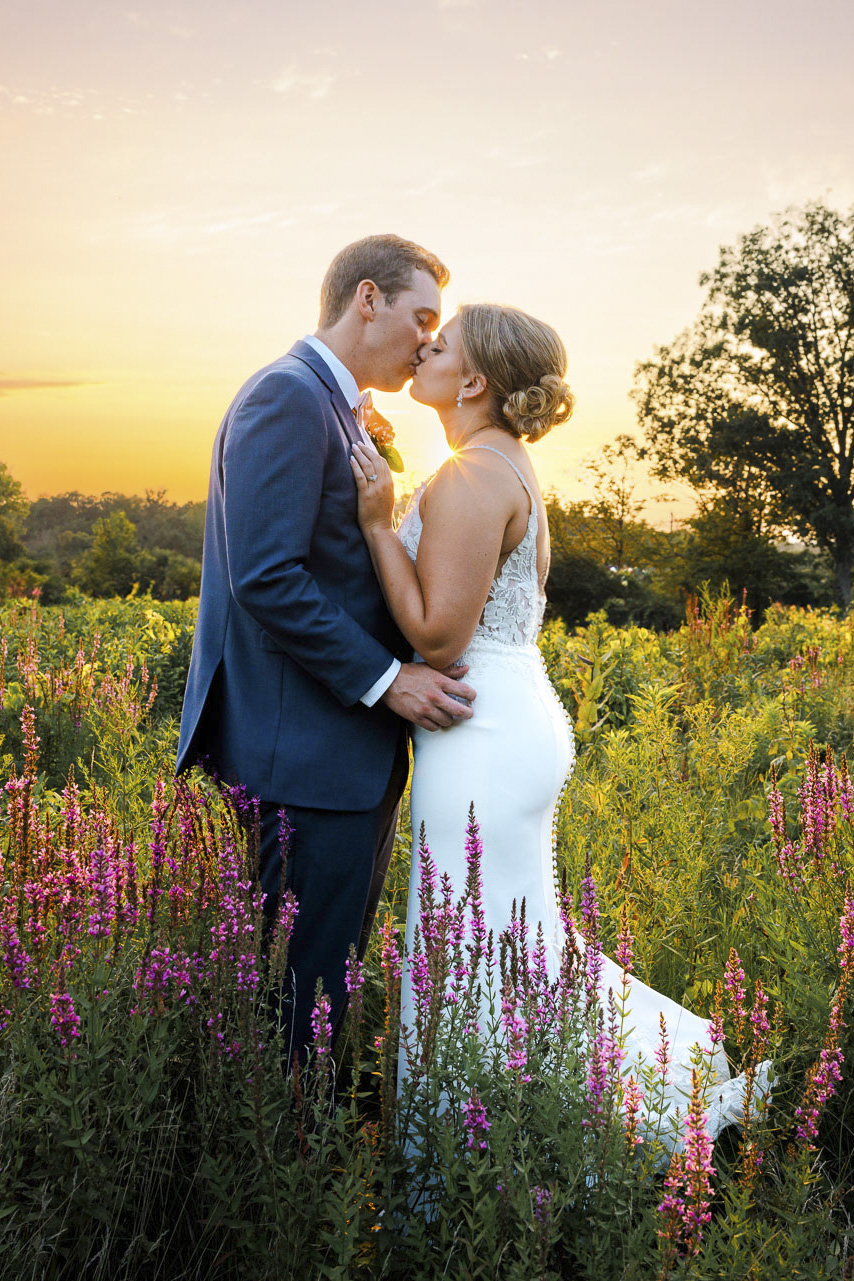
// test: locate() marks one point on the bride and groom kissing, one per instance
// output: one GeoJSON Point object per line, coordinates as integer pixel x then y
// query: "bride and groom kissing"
{"type": "Point", "coordinates": [327, 639]}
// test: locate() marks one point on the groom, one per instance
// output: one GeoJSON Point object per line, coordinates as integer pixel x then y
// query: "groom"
{"type": "Point", "coordinates": [299, 686]}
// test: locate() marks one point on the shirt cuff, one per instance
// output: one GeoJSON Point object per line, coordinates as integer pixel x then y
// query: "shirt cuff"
{"type": "Point", "coordinates": [379, 687]}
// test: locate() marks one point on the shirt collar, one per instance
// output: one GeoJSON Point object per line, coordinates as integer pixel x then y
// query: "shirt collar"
{"type": "Point", "coordinates": [339, 371]}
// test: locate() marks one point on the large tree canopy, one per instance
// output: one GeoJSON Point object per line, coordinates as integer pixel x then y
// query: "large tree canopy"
{"type": "Point", "coordinates": [754, 404]}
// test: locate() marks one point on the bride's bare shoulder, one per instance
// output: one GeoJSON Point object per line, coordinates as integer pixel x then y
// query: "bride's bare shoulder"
{"type": "Point", "coordinates": [473, 471]}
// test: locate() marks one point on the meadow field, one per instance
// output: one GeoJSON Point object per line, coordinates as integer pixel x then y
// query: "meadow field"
{"type": "Point", "coordinates": [150, 1125]}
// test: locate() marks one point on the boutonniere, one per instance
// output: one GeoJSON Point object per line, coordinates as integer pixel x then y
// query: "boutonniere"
{"type": "Point", "coordinates": [381, 433]}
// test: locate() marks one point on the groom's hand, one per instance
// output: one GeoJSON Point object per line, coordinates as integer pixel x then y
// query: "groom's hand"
{"type": "Point", "coordinates": [429, 698]}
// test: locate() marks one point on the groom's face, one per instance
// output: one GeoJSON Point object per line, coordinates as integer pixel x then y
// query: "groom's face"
{"type": "Point", "coordinates": [400, 328]}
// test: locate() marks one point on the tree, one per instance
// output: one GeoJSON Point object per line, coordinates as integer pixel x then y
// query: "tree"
{"type": "Point", "coordinates": [13, 514]}
{"type": "Point", "coordinates": [112, 565]}
{"type": "Point", "coordinates": [755, 402]}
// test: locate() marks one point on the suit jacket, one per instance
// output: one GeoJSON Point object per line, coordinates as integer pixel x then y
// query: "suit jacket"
{"type": "Point", "coordinates": [292, 627]}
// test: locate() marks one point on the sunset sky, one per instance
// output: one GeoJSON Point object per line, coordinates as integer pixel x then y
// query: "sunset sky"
{"type": "Point", "coordinates": [178, 176]}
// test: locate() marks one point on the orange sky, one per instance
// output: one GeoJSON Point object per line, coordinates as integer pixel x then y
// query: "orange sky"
{"type": "Point", "coordinates": [178, 177]}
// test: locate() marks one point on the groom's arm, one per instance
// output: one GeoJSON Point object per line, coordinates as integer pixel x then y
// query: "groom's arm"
{"type": "Point", "coordinates": [273, 466]}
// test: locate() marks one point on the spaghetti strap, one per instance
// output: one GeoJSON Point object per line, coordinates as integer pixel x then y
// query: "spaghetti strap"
{"type": "Point", "coordinates": [493, 450]}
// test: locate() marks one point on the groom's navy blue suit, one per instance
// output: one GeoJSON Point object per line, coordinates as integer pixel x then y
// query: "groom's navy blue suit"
{"type": "Point", "coordinates": [292, 630]}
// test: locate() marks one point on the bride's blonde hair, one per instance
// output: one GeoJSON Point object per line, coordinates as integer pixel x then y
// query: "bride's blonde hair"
{"type": "Point", "coordinates": [523, 361]}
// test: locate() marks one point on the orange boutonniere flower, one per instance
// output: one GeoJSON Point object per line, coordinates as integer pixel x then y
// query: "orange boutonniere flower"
{"type": "Point", "coordinates": [381, 433]}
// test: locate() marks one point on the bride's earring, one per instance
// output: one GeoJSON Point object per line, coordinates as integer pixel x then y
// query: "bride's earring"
{"type": "Point", "coordinates": [459, 400]}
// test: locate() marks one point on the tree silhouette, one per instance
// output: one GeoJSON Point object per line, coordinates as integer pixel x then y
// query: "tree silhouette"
{"type": "Point", "coordinates": [754, 404]}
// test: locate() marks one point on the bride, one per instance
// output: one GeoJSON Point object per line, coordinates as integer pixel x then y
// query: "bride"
{"type": "Point", "coordinates": [464, 575]}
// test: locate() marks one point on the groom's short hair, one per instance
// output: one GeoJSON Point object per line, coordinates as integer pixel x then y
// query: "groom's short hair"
{"type": "Point", "coordinates": [388, 261]}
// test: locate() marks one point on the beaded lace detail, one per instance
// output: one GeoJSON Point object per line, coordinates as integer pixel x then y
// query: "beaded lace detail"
{"type": "Point", "coordinates": [513, 613]}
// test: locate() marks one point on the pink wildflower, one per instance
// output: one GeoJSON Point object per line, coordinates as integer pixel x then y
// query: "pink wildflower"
{"type": "Point", "coordinates": [625, 942]}
{"type": "Point", "coordinates": [321, 1027]}
{"type": "Point", "coordinates": [734, 985]}
{"type": "Point", "coordinates": [476, 1122]}
{"type": "Point", "coordinates": [64, 1018]}
{"type": "Point", "coordinates": [688, 1188]}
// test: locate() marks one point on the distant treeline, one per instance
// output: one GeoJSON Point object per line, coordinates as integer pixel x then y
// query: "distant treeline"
{"type": "Point", "coordinates": [605, 556]}
{"type": "Point", "coordinates": [109, 545]}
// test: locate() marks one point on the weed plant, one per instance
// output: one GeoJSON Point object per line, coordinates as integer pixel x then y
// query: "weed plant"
{"type": "Point", "coordinates": [150, 1119]}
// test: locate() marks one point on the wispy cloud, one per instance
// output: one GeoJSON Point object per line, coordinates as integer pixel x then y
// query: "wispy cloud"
{"type": "Point", "coordinates": [314, 85]}
{"type": "Point", "coordinates": [8, 385]}
{"type": "Point", "coordinates": [184, 226]}
{"type": "Point", "coordinates": [549, 54]}
{"type": "Point", "coordinates": [56, 101]}
{"type": "Point", "coordinates": [143, 22]}
{"type": "Point", "coordinates": [650, 173]}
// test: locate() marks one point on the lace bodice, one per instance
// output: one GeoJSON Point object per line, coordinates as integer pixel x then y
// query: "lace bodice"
{"type": "Point", "coordinates": [513, 613]}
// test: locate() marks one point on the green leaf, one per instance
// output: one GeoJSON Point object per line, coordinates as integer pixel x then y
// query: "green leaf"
{"type": "Point", "coordinates": [392, 457]}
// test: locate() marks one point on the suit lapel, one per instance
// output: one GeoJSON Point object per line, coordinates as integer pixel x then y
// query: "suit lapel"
{"type": "Point", "coordinates": [318, 366]}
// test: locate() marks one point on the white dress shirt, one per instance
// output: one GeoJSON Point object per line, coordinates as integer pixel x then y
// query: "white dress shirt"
{"type": "Point", "coordinates": [350, 391]}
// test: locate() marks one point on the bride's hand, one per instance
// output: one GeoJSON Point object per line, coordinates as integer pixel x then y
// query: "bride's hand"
{"type": "Point", "coordinates": [375, 488]}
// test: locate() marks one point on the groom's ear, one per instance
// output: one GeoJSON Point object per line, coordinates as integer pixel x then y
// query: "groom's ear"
{"type": "Point", "coordinates": [367, 299]}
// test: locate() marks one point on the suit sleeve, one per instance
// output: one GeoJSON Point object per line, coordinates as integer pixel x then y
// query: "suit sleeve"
{"type": "Point", "coordinates": [273, 467]}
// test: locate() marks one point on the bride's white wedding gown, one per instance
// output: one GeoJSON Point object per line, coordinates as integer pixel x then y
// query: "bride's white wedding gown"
{"type": "Point", "coordinates": [512, 759]}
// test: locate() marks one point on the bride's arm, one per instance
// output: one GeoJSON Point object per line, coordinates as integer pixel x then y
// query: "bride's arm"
{"type": "Point", "coordinates": [436, 602]}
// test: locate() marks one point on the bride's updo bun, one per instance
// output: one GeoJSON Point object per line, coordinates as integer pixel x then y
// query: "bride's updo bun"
{"type": "Point", "coordinates": [523, 361]}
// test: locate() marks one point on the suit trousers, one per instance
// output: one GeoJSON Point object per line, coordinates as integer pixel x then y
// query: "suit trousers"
{"type": "Point", "coordinates": [335, 865]}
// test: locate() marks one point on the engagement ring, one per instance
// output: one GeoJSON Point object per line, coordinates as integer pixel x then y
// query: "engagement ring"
{"type": "Point", "coordinates": [373, 477]}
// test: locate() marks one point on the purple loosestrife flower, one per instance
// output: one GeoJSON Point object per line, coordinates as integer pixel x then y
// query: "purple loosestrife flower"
{"type": "Point", "coordinates": [598, 1061]}
{"type": "Point", "coordinates": [605, 1056]}
{"type": "Point", "coordinates": [591, 927]}
{"type": "Point", "coordinates": [422, 986]}
{"type": "Point", "coordinates": [456, 939]}
{"type": "Point", "coordinates": [616, 1053]}
{"type": "Point", "coordinates": [354, 982]}
{"type": "Point", "coordinates": [824, 1076]}
{"type": "Point", "coordinates": [102, 890]}
{"type": "Point", "coordinates": [822, 1080]}
{"type": "Point", "coordinates": [427, 907]}
{"type": "Point", "coordinates": [846, 791]}
{"type": "Point", "coordinates": [476, 1122]}
{"type": "Point", "coordinates": [152, 979]}
{"type": "Point", "coordinates": [31, 740]}
{"type": "Point", "coordinates": [543, 990]}
{"type": "Point", "coordinates": [321, 1027]}
{"type": "Point", "coordinates": [591, 933]}
{"type": "Point", "coordinates": [17, 961]}
{"type": "Point", "coordinates": [663, 1056]}
{"type": "Point", "coordinates": [516, 1028]}
{"type": "Point", "coordinates": [474, 893]}
{"type": "Point", "coordinates": [759, 1022]}
{"type": "Point", "coordinates": [788, 855]}
{"type": "Point", "coordinates": [542, 1204]}
{"type": "Point", "coordinates": [157, 847]}
{"type": "Point", "coordinates": [776, 812]}
{"type": "Point", "coordinates": [64, 1018]}
{"type": "Point", "coordinates": [716, 1022]}
{"type": "Point", "coordinates": [632, 1105]}
{"type": "Point", "coordinates": [390, 951]}
{"type": "Point", "coordinates": [285, 921]}
{"type": "Point", "coordinates": [845, 951]}
{"type": "Point", "coordinates": [354, 975]}
{"type": "Point", "coordinates": [818, 812]}
{"type": "Point", "coordinates": [734, 986]}
{"type": "Point", "coordinates": [390, 962]}
{"type": "Point", "coordinates": [688, 1189]}
{"type": "Point", "coordinates": [625, 941]}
